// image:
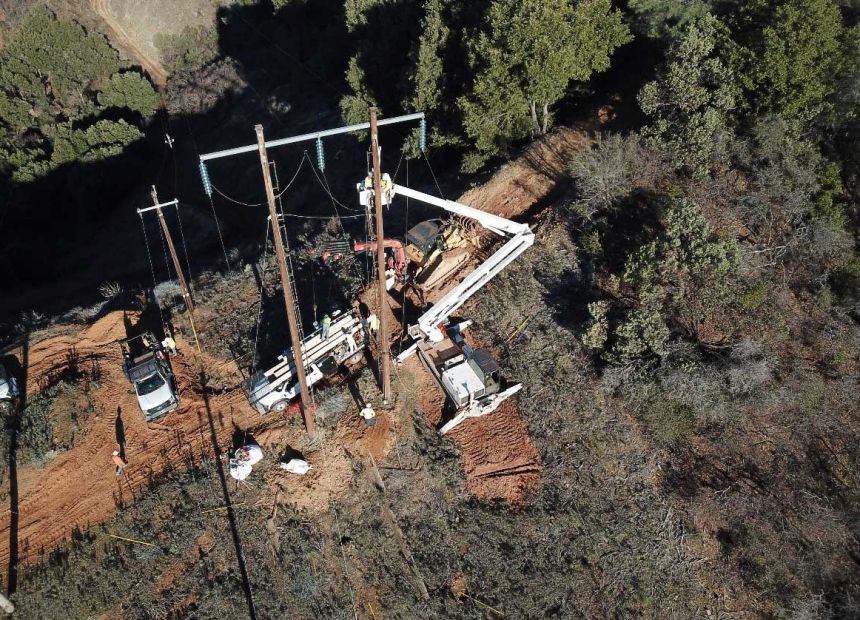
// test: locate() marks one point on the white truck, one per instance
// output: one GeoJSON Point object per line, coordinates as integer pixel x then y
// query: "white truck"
{"type": "Point", "coordinates": [146, 365]}
{"type": "Point", "coordinates": [470, 378]}
{"type": "Point", "coordinates": [9, 389]}
{"type": "Point", "coordinates": [273, 389]}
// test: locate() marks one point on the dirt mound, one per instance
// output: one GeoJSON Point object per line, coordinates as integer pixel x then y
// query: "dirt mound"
{"type": "Point", "coordinates": [331, 463]}
{"type": "Point", "coordinates": [521, 183]}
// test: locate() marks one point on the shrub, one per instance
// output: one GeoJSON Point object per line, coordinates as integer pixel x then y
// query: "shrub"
{"type": "Point", "coordinates": [670, 421]}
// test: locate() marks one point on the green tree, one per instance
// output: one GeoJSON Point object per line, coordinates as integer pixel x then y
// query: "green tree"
{"type": "Point", "coordinates": [55, 81]}
{"type": "Point", "coordinates": [790, 57]}
{"type": "Point", "coordinates": [667, 18]}
{"type": "Point", "coordinates": [529, 53]}
{"type": "Point", "coordinates": [674, 283]}
{"type": "Point", "coordinates": [51, 65]}
{"type": "Point", "coordinates": [688, 104]}
{"type": "Point", "coordinates": [129, 90]}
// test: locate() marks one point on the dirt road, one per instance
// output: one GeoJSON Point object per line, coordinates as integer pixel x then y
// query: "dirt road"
{"type": "Point", "coordinates": [121, 39]}
{"type": "Point", "coordinates": [78, 489]}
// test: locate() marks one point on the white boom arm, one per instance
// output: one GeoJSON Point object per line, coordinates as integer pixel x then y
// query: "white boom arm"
{"type": "Point", "coordinates": [521, 238]}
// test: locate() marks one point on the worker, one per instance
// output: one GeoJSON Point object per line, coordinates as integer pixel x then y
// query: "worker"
{"type": "Point", "coordinates": [120, 464]}
{"type": "Point", "coordinates": [373, 324]}
{"type": "Point", "coordinates": [369, 415]}
{"type": "Point", "coordinates": [170, 344]}
{"type": "Point", "coordinates": [326, 326]}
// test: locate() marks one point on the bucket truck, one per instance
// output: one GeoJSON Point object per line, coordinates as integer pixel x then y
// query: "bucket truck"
{"type": "Point", "coordinates": [469, 377]}
{"type": "Point", "coordinates": [273, 389]}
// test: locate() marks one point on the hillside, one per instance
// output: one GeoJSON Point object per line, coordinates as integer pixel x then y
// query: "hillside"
{"type": "Point", "coordinates": [644, 309]}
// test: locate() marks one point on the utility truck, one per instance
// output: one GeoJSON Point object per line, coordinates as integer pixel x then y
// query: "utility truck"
{"type": "Point", "coordinates": [273, 389]}
{"type": "Point", "coordinates": [470, 378]}
{"type": "Point", "coordinates": [9, 389]}
{"type": "Point", "coordinates": [148, 369]}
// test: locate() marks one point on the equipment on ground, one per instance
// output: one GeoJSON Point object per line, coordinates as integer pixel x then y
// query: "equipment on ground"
{"type": "Point", "coordinates": [9, 389]}
{"type": "Point", "coordinates": [244, 458]}
{"type": "Point", "coordinates": [470, 378]}
{"type": "Point", "coordinates": [433, 251]}
{"type": "Point", "coordinates": [273, 389]}
{"type": "Point", "coordinates": [296, 466]}
{"type": "Point", "coordinates": [148, 369]}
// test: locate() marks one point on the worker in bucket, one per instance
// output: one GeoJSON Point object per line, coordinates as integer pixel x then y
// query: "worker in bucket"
{"type": "Point", "coordinates": [120, 464]}
{"type": "Point", "coordinates": [369, 415]}
{"type": "Point", "coordinates": [325, 326]}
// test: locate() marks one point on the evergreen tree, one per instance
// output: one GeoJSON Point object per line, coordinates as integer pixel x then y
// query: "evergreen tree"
{"type": "Point", "coordinates": [529, 53]}
{"type": "Point", "coordinates": [55, 80]}
{"type": "Point", "coordinates": [129, 90]}
{"type": "Point", "coordinates": [688, 104]}
{"type": "Point", "coordinates": [790, 53]}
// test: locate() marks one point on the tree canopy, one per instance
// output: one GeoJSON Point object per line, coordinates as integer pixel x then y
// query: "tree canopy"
{"type": "Point", "coordinates": [50, 102]}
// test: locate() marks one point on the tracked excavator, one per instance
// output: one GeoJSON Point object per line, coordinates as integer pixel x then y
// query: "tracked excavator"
{"type": "Point", "coordinates": [470, 378]}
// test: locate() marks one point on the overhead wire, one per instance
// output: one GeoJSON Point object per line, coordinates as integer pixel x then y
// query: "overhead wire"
{"type": "Point", "coordinates": [184, 245]}
{"type": "Point", "coordinates": [151, 267]}
{"type": "Point", "coordinates": [433, 174]}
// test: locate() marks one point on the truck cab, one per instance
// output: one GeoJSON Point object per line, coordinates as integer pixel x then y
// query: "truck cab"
{"type": "Point", "coordinates": [9, 389]}
{"type": "Point", "coordinates": [149, 372]}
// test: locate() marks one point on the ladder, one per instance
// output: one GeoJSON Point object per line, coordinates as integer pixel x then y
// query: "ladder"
{"type": "Point", "coordinates": [282, 223]}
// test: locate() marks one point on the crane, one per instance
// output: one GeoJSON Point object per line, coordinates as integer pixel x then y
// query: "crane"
{"type": "Point", "coordinates": [469, 377]}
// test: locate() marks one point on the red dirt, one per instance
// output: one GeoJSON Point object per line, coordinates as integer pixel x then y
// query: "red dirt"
{"type": "Point", "coordinates": [78, 488]}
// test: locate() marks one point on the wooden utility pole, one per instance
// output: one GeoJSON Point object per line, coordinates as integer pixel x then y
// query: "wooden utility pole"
{"type": "Point", "coordinates": [186, 291]}
{"type": "Point", "coordinates": [384, 350]}
{"type": "Point", "coordinates": [286, 278]}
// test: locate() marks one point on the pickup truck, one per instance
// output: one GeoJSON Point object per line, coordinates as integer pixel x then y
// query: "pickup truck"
{"type": "Point", "coordinates": [9, 389]}
{"type": "Point", "coordinates": [148, 370]}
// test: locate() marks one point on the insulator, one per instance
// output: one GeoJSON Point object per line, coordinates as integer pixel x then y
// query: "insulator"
{"type": "Point", "coordinates": [422, 135]}
{"type": "Point", "coordinates": [204, 176]}
{"type": "Point", "coordinates": [320, 155]}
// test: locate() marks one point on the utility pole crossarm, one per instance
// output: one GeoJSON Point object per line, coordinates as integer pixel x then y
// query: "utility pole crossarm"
{"type": "Point", "coordinates": [160, 205]}
{"type": "Point", "coordinates": [310, 136]}
{"type": "Point", "coordinates": [283, 270]}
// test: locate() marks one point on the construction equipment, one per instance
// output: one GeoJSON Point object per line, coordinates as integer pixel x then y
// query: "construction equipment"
{"type": "Point", "coordinates": [470, 378]}
{"type": "Point", "coordinates": [148, 369]}
{"type": "Point", "coordinates": [273, 389]}
{"type": "Point", "coordinates": [433, 251]}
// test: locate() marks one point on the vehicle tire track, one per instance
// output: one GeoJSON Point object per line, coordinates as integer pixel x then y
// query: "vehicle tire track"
{"type": "Point", "coordinates": [122, 40]}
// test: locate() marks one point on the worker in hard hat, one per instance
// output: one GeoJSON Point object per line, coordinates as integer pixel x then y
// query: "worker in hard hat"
{"type": "Point", "coordinates": [325, 326]}
{"type": "Point", "coordinates": [169, 344]}
{"type": "Point", "coordinates": [369, 415]}
{"type": "Point", "coordinates": [119, 462]}
{"type": "Point", "coordinates": [372, 323]}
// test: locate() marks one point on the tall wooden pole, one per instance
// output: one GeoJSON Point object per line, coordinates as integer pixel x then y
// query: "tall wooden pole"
{"type": "Point", "coordinates": [186, 291]}
{"type": "Point", "coordinates": [284, 270]}
{"type": "Point", "coordinates": [384, 351]}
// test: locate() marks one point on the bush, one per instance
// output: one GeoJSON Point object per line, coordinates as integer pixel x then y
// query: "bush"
{"type": "Point", "coordinates": [671, 422]}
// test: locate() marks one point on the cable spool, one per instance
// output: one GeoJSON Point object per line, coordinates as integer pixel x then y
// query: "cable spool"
{"type": "Point", "coordinates": [204, 177]}
{"type": "Point", "coordinates": [320, 155]}
{"type": "Point", "coordinates": [422, 134]}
